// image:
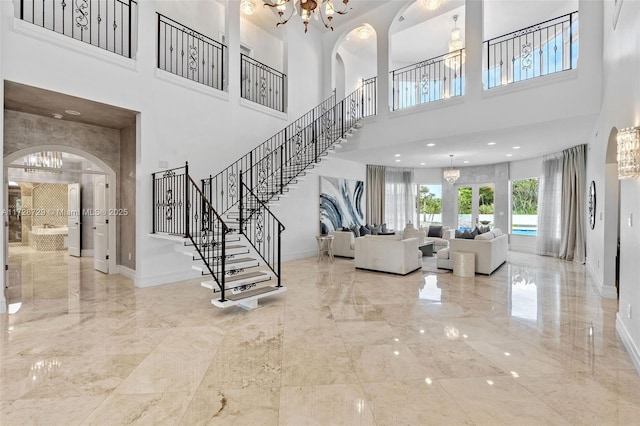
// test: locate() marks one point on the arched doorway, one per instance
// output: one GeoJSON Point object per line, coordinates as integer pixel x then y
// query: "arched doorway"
{"type": "Point", "coordinates": [54, 173]}
{"type": "Point", "coordinates": [354, 59]}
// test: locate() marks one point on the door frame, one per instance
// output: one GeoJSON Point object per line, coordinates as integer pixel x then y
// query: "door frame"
{"type": "Point", "coordinates": [112, 244]}
{"type": "Point", "coordinates": [475, 198]}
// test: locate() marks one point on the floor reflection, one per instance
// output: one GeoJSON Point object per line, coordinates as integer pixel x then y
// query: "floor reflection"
{"type": "Point", "coordinates": [524, 292]}
{"type": "Point", "coordinates": [430, 290]}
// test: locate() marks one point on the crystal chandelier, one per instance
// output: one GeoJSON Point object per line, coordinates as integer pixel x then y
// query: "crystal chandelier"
{"type": "Point", "coordinates": [248, 7]}
{"type": "Point", "coordinates": [455, 58]}
{"type": "Point", "coordinates": [628, 153]}
{"type": "Point", "coordinates": [308, 8]}
{"type": "Point", "coordinates": [431, 4]}
{"type": "Point", "coordinates": [451, 175]}
{"type": "Point", "coordinates": [43, 159]}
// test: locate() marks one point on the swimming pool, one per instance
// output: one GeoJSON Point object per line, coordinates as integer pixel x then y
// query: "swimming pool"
{"type": "Point", "coordinates": [517, 231]}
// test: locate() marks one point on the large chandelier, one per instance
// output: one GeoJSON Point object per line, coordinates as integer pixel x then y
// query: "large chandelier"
{"type": "Point", "coordinates": [308, 8]}
{"type": "Point", "coordinates": [451, 175]}
{"type": "Point", "coordinates": [628, 153]}
{"type": "Point", "coordinates": [43, 159]}
{"type": "Point", "coordinates": [455, 58]}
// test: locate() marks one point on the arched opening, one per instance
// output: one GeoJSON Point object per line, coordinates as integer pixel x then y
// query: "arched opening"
{"type": "Point", "coordinates": [611, 211]}
{"type": "Point", "coordinates": [354, 58]}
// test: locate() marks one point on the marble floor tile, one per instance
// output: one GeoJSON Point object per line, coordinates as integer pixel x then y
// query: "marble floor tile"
{"type": "Point", "coordinates": [531, 344]}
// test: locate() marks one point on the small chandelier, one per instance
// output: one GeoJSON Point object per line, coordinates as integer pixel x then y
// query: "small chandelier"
{"type": "Point", "coordinates": [628, 153]}
{"type": "Point", "coordinates": [308, 8]}
{"type": "Point", "coordinates": [455, 58]}
{"type": "Point", "coordinates": [248, 7]}
{"type": "Point", "coordinates": [451, 175]}
{"type": "Point", "coordinates": [43, 159]}
{"type": "Point", "coordinates": [431, 4]}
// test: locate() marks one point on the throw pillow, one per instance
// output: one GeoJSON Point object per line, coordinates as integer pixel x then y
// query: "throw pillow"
{"type": "Point", "coordinates": [475, 232]}
{"type": "Point", "coordinates": [384, 227]}
{"type": "Point", "coordinates": [364, 231]}
{"type": "Point", "coordinates": [467, 235]}
{"type": "Point", "coordinates": [435, 231]}
{"type": "Point", "coordinates": [355, 230]}
{"type": "Point", "coordinates": [497, 232]}
{"type": "Point", "coordinates": [376, 229]}
{"type": "Point", "coordinates": [483, 229]}
{"type": "Point", "coordinates": [345, 229]}
{"type": "Point", "coordinates": [459, 234]}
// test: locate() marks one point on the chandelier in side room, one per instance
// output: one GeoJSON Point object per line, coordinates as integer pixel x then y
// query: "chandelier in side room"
{"type": "Point", "coordinates": [628, 141]}
{"type": "Point", "coordinates": [44, 159]}
{"type": "Point", "coordinates": [455, 58]}
{"type": "Point", "coordinates": [451, 175]}
{"type": "Point", "coordinates": [318, 9]}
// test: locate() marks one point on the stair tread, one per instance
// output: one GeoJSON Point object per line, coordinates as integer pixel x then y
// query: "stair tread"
{"type": "Point", "coordinates": [254, 292]}
{"type": "Point", "coordinates": [245, 276]}
{"type": "Point", "coordinates": [240, 260]}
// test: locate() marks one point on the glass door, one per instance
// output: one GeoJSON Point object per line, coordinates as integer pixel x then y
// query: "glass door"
{"type": "Point", "coordinates": [475, 206]}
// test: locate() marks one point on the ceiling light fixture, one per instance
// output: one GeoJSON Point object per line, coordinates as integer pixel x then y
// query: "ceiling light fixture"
{"type": "Point", "coordinates": [248, 7]}
{"type": "Point", "coordinates": [308, 8]}
{"type": "Point", "coordinates": [491, 143]}
{"type": "Point", "coordinates": [56, 115]}
{"type": "Point", "coordinates": [431, 4]}
{"type": "Point", "coordinates": [431, 144]}
{"type": "Point", "coordinates": [44, 159]}
{"type": "Point", "coordinates": [628, 141]}
{"type": "Point", "coordinates": [397, 155]}
{"type": "Point", "coordinates": [516, 147]}
{"type": "Point", "coordinates": [509, 155]}
{"type": "Point", "coordinates": [363, 32]}
{"type": "Point", "coordinates": [455, 58]}
{"type": "Point", "coordinates": [451, 175]}
{"type": "Point", "coordinates": [72, 112]}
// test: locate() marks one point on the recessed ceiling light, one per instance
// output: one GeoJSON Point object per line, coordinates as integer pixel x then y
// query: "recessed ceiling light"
{"type": "Point", "coordinates": [422, 164]}
{"type": "Point", "coordinates": [56, 115]}
{"type": "Point", "coordinates": [509, 155]}
{"type": "Point", "coordinates": [431, 144]}
{"type": "Point", "coordinates": [397, 161]}
{"type": "Point", "coordinates": [516, 147]}
{"type": "Point", "coordinates": [466, 161]}
{"type": "Point", "coordinates": [72, 112]}
{"type": "Point", "coordinates": [397, 155]}
{"type": "Point", "coordinates": [491, 143]}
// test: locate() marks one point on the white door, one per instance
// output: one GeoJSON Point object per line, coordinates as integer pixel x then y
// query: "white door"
{"type": "Point", "coordinates": [100, 224]}
{"type": "Point", "coordinates": [73, 219]}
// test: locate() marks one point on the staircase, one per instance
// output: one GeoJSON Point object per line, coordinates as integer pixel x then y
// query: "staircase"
{"type": "Point", "coordinates": [230, 233]}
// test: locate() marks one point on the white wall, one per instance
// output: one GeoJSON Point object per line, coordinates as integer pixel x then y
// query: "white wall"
{"type": "Point", "coordinates": [266, 48]}
{"type": "Point", "coordinates": [300, 213]}
{"type": "Point", "coordinates": [357, 67]}
{"type": "Point", "coordinates": [620, 108]}
{"type": "Point", "coordinates": [179, 120]}
{"type": "Point", "coordinates": [203, 16]}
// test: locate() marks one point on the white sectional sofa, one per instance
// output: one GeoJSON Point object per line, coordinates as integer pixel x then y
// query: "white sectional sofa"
{"type": "Point", "coordinates": [490, 250]}
{"type": "Point", "coordinates": [344, 243]}
{"type": "Point", "coordinates": [388, 254]}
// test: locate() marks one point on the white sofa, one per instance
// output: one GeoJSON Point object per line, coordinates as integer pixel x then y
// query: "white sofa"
{"type": "Point", "coordinates": [344, 243]}
{"type": "Point", "coordinates": [388, 254]}
{"type": "Point", "coordinates": [442, 241]}
{"type": "Point", "coordinates": [490, 250]}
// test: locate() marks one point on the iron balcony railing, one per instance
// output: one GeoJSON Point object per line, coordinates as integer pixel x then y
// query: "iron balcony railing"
{"type": "Point", "coordinates": [107, 24]}
{"type": "Point", "coordinates": [262, 84]}
{"type": "Point", "coordinates": [180, 208]}
{"type": "Point", "coordinates": [545, 48]}
{"type": "Point", "coordinates": [189, 54]}
{"type": "Point", "coordinates": [269, 167]}
{"type": "Point", "coordinates": [430, 80]}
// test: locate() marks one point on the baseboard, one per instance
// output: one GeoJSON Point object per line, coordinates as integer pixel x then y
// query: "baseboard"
{"type": "Point", "coordinates": [86, 253]}
{"type": "Point", "coordinates": [166, 278]}
{"type": "Point", "coordinates": [300, 255]}
{"type": "Point", "coordinates": [127, 272]}
{"type": "Point", "coordinates": [628, 342]}
{"type": "Point", "coordinates": [606, 292]}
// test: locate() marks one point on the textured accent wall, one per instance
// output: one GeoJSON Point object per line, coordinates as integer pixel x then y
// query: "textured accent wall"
{"type": "Point", "coordinates": [50, 203]}
{"type": "Point", "coordinates": [127, 223]}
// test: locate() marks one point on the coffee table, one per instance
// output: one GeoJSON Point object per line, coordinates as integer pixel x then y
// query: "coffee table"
{"type": "Point", "coordinates": [426, 248]}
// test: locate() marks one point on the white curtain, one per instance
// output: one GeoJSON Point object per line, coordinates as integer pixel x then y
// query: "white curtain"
{"type": "Point", "coordinates": [375, 194]}
{"type": "Point", "coordinates": [400, 199]}
{"type": "Point", "coordinates": [561, 231]}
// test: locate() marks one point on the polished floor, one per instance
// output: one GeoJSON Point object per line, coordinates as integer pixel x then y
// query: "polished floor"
{"type": "Point", "coordinates": [532, 344]}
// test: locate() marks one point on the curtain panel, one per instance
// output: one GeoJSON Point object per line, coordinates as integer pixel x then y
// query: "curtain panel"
{"type": "Point", "coordinates": [375, 189]}
{"type": "Point", "coordinates": [561, 221]}
{"type": "Point", "coordinates": [400, 199]}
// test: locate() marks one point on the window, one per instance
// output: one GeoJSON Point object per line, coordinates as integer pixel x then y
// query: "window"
{"type": "Point", "coordinates": [524, 207]}
{"type": "Point", "coordinates": [429, 205]}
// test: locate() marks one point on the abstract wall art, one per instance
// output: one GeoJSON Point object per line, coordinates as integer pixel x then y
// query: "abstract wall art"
{"type": "Point", "coordinates": [341, 203]}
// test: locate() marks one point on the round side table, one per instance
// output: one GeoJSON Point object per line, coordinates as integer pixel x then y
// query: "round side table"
{"type": "Point", "coordinates": [325, 243]}
{"type": "Point", "coordinates": [464, 264]}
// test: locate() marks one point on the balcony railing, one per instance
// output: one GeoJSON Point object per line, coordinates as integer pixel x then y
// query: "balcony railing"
{"type": "Point", "coordinates": [545, 48]}
{"type": "Point", "coordinates": [107, 24]}
{"type": "Point", "coordinates": [430, 80]}
{"type": "Point", "coordinates": [262, 84]}
{"type": "Point", "coordinates": [189, 54]}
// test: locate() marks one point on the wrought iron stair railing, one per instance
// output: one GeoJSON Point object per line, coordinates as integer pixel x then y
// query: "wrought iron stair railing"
{"type": "Point", "coordinates": [180, 208]}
